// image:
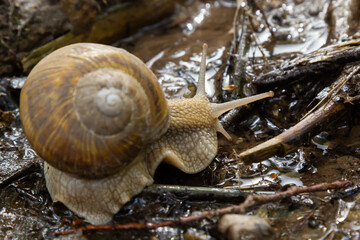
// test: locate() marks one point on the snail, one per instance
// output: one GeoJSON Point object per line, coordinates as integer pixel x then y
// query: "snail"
{"type": "Point", "coordinates": [98, 118]}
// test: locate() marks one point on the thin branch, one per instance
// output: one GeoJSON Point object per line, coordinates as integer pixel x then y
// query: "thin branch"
{"type": "Point", "coordinates": [222, 194]}
{"type": "Point", "coordinates": [336, 89]}
{"type": "Point", "coordinates": [299, 225]}
{"type": "Point", "coordinates": [268, 25]}
{"type": "Point", "coordinates": [322, 62]}
{"type": "Point", "coordinates": [290, 140]}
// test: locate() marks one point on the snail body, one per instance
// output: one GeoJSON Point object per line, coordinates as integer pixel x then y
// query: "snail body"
{"type": "Point", "coordinates": [99, 119]}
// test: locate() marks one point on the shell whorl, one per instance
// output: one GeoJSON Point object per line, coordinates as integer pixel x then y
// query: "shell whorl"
{"type": "Point", "coordinates": [88, 109]}
{"type": "Point", "coordinates": [104, 102]}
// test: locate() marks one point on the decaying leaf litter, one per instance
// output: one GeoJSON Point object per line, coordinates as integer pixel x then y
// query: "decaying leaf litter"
{"type": "Point", "coordinates": [325, 151]}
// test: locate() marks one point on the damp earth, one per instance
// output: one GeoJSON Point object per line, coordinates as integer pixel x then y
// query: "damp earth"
{"type": "Point", "coordinates": [293, 30]}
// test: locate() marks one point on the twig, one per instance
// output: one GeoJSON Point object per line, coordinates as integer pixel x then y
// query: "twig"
{"type": "Point", "coordinates": [198, 192]}
{"type": "Point", "coordinates": [250, 202]}
{"type": "Point", "coordinates": [326, 60]}
{"type": "Point", "coordinates": [258, 42]}
{"type": "Point", "coordinates": [23, 171]}
{"type": "Point", "coordinates": [236, 61]}
{"type": "Point", "coordinates": [336, 89]}
{"type": "Point", "coordinates": [289, 140]}
{"type": "Point", "coordinates": [8, 148]}
{"type": "Point", "coordinates": [302, 222]}
{"type": "Point", "coordinates": [265, 19]}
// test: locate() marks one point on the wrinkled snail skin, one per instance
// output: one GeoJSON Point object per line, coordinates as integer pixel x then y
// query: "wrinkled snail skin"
{"type": "Point", "coordinates": [82, 81]}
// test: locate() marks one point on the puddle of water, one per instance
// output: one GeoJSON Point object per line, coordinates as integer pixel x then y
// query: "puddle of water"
{"type": "Point", "coordinates": [298, 27]}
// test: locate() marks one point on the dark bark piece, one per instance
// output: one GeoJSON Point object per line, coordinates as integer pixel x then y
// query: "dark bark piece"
{"type": "Point", "coordinates": [308, 68]}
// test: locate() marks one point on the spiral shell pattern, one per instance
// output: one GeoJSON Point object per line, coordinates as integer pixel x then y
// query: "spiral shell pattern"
{"type": "Point", "coordinates": [88, 109]}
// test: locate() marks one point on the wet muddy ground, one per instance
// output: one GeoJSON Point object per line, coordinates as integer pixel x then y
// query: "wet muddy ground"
{"type": "Point", "coordinates": [172, 50]}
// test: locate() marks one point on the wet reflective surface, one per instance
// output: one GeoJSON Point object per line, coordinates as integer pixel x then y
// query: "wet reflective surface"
{"type": "Point", "coordinates": [172, 51]}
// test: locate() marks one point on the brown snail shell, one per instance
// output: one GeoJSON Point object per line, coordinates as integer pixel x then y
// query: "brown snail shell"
{"type": "Point", "coordinates": [103, 105]}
